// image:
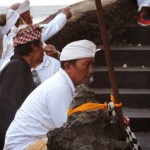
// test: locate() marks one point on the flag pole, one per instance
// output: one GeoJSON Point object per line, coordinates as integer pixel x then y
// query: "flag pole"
{"type": "Point", "coordinates": [112, 78]}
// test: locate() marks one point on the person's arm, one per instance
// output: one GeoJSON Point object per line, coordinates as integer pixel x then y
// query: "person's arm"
{"type": "Point", "coordinates": [59, 104]}
{"type": "Point", "coordinates": [56, 24]}
{"type": "Point", "coordinates": [1, 35]}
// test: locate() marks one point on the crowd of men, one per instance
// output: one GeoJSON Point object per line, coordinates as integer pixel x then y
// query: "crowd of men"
{"type": "Point", "coordinates": [37, 83]}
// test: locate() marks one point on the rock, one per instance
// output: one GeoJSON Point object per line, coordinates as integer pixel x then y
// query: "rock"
{"type": "Point", "coordinates": [84, 24]}
{"type": "Point", "coordinates": [118, 14]}
{"type": "Point", "coordinates": [91, 130]}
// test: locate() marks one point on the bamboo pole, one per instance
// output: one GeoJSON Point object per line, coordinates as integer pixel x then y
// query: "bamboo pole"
{"type": "Point", "coordinates": [112, 78]}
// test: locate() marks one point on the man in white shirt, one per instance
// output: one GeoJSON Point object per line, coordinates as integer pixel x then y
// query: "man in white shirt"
{"type": "Point", "coordinates": [143, 12]}
{"type": "Point", "coordinates": [18, 17]}
{"type": "Point", "coordinates": [46, 107]}
{"type": "Point", "coordinates": [48, 68]}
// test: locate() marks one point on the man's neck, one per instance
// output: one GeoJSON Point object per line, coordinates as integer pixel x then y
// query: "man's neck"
{"type": "Point", "coordinates": [28, 60]}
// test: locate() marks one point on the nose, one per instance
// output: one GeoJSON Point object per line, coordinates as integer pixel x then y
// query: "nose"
{"type": "Point", "coordinates": [91, 69]}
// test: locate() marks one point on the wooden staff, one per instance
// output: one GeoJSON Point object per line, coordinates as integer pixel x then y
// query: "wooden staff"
{"type": "Point", "coordinates": [110, 65]}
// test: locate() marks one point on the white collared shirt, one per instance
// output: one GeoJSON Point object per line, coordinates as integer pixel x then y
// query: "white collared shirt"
{"type": "Point", "coordinates": [47, 68]}
{"type": "Point", "coordinates": [43, 110]}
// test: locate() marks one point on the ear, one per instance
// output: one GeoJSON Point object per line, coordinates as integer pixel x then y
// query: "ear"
{"type": "Point", "coordinates": [35, 48]}
{"type": "Point", "coordinates": [67, 67]}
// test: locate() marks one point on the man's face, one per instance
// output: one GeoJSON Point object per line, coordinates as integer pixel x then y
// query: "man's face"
{"type": "Point", "coordinates": [27, 17]}
{"type": "Point", "coordinates": [81, 71]}
{"type": "Point", "coordinates": [38, 54]}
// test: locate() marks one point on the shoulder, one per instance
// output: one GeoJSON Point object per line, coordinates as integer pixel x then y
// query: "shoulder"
{"type": "Point", "coordinates": [19, 63]}
{"type": "Point", "coordinates": [15, 65]}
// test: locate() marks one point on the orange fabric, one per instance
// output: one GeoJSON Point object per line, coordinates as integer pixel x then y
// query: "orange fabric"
{"type": "Point", "coordinates": [92, 106]}
{"type": "Point", "coordinates": [87, 106]}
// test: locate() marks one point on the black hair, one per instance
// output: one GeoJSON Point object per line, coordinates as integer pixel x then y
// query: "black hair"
{"type": "Point", "coordinates": [68, 61]}
{"type": "Point", "coordinates": [26, 49]}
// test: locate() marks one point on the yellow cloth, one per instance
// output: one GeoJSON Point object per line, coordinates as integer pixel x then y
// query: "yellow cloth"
{"type": "Point", "coordinates": [88, 106]}
{"type": "Point", "coordinates": [92, 106]}
{"type": "Point", "coordinates": [38, 145]}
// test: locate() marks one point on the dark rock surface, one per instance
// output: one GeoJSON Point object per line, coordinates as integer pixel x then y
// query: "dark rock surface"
{"type": "Point", "coordinates": [84, 23]}
{"type": "Point", "coordinates": [117, 16]}
{"type": "Point", "coordinates": [91, 130]}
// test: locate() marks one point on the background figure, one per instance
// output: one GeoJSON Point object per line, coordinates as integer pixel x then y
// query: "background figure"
{"type": "Point", "coordinates": [143, 12]}
{"type": "Point", "coordinates": [48, 67]}
{"type": "Point", "coordinates": [16, 80]}
{"type": "Point", "coordinates": [22, 13]}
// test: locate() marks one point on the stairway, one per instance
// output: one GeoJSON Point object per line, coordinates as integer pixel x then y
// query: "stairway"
{"type": "Point", "coordinates": [132, 71]}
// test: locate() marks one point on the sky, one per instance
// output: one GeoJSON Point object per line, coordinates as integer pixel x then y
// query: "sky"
{"type": "Point", "coordinates": [40, 2]}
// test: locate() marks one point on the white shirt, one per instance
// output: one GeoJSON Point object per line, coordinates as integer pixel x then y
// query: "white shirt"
{"type": "Point", "coordinates": [47, 68]}
{"type": "Point", "coordinates": [43, 110]}
{"type": "Point", "coordinates": [49, 30]}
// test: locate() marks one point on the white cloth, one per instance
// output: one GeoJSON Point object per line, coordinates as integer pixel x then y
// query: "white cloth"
{"type": "Point", "coordinates": [47, 68]}
{"type": "Point", "coordinates": [53, 26]}
{"type": "Point", "coordinates": [13, 15]}
{"type": "Point", "coordinates": [43, 110]}
{"type": "Point", "coordinates": [1, 35]}
{"type": "Point", "coordinates": [79, 49]}
{"type": "Point", "coordinates": [25, 6]}
{"type": "Point", "coordinates": [49, 30]}
{"type": "Point", "coordinates": [8, 49]}
{"type": "Point", "coordinates": [142, 3]}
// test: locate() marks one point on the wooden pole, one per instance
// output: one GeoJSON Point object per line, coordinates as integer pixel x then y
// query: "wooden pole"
{"type": "Point", "coordinates": [110, 65]}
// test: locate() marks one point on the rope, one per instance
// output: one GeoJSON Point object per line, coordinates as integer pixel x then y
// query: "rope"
{"type": "Point", "coordinates": [130, 135]}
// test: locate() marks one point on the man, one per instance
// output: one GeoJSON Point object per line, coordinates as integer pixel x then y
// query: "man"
{"type": "Point", "coordinates": [48, 67]}
{"type": "Point", "coordinates": [46, 107]}
{"type": "Point", "coordinates": [143, 12]}
{"type": "Point", "coordinates": [18, 17]}
{"type": "Point", "coordinates": [16, 81]}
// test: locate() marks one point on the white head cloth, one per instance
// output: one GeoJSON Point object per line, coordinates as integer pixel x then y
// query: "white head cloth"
{"type": "Point", "coordinates": [78, 49]}
{"type": "Point", "coordinates": [13, 16]}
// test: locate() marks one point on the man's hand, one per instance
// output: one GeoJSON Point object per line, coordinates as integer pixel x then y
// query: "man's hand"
{"type": "Point", "coordinates": [50, 50]}
{"type": "Point", "coordinates": [67, 12]}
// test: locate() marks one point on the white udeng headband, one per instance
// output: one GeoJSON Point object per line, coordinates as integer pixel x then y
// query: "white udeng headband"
{"type": "Point", "coordinates": [78, 49]}
{"type": "Point", "coordinates": [11, 21]}
{"type": "Point", "coordinates": [13, 16]}
{"type": "Point", "coordinates": [25, 6]}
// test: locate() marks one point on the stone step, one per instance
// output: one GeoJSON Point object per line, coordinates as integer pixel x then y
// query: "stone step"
{"type": "Point", "coordinates": [136, 113]}
{"type": "Point", "coordinates": [143, 139]}
{"type": "Point", "coordinates": [131, 56]}
{"type": "Point", "coordinates": [138, 34]}
{"type": "Point", "coordinates": [139, 118]}
{"type": "Point", "coordinates": [131, 98]}
{"type": "Point", "coordinates": [127, 77]}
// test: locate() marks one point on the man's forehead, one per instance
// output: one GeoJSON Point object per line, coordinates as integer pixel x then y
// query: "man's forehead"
{"type": "Point", "coordinates": [89, 59]}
